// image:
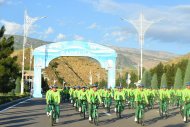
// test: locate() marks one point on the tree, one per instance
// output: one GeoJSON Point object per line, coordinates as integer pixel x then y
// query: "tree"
{"type": "Point", "coordinates": [159, 70]}
{"type": "Point", "coordinates": [18, 85]}
{"type": "Point", "coordinates": [178, 79]}
{"type": "Point", "coordinates": [8, 67]}
{"type": "Point", "coordinates": [154, 81]}
{"type": "Point", "coordinates": [134, 78]}
{"type": "Point", "coordinates": [146, 79]}
{"type": "Point", "coordinates": [187, 74]}
{"type": "Point", "coordinates": [170, 71]}
{"type": "Point", "coordinates": [163, 80]}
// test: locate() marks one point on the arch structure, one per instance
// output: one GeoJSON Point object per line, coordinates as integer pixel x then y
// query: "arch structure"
{"type": "Point", "coordinates": [44, 54]}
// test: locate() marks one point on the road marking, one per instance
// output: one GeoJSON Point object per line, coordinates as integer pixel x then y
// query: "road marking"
{"type": "Point", "coordinates": [15, 105]}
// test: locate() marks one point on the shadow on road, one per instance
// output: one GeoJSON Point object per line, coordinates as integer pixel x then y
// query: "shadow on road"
{"type": "Point", "coordinates": [176, 125]}
{"type": "Point", "coordinates": [21, 125]}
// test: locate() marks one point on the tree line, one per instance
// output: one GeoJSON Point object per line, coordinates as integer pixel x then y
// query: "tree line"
{"type": "Point", "coordinates": [163, 75]}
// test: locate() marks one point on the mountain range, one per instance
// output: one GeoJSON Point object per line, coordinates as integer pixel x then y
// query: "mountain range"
{"type": "Point", "coordinates": [127, 57]}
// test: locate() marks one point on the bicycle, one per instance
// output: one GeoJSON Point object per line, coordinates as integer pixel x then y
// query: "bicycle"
{"type": "Point", "coordinates": [140, 113]}
{"type": "Point", "coordinates": [108, 103]}
{"type": "Point", "coordinates": [83, 108]}
{"type": "Point", "coordinates": [163, 108]}
{"type": "Point", "coordinates": [185, 112]}
{"type": "Point", "coordinates": [131, 104]}
{"type": "Point", "coordinates": [95, 116]}
{"type": "Point", "coordinates": [151, 102]}
{"type": "Point", "coordinates": [103, 102]}
{"type": "Point", "coordinates": [52, 114]}
{"type": "Point", "coordinates": [119, 108]}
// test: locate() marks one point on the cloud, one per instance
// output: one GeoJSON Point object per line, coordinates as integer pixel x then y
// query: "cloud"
{"type": "Point", "coordinates": [92, 26]}
{"type": "Point", "coordinates": [12, 27]}
{"type": "Point", "coordinates": [60, 37]}
{"type": "Point", "coordinates": [78, 37]}
{"type": "Point", "coordinates": [117, 34]}
{"type": "Point", "coordinates": [2, 2]}
{"type": "Point", "coordinates": [174, 26]}
{"type": "Point", "coordinates": [49, 31]}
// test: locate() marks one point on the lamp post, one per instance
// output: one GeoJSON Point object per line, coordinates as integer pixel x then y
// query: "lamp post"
{"type": "Point", "coordinates": [28, 22]}
{"type": "Point", "coordinates": [90, 77]}
{"type": "Point", "coordinates": [31, 50]}
{"type": "Point", "coordinates": [141, 25]}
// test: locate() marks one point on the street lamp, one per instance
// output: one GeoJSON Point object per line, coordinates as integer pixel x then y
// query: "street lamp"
{"type": "Point", "coordinates": [141, 25]}
{"type": "Point", "coordinates": [90, 77]}
{"type": "Point", "coordinates": [28, 22]}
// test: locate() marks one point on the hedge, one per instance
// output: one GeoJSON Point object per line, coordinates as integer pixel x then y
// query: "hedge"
{"type": "Point", "coordinates": [8, 98]}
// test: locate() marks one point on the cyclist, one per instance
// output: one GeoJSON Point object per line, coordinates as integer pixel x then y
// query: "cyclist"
{"type": "Point", "coordinates": [67, 94]}
{"type": "Point", "coordinates": [108, 99]}
{"type": "Point", "coordinates": [48, 93]}
{"type": "Point", "coordinates": [71, 93]}
{"type": "Point", "coordinates": [178, 97]}
{"type": "Point", "coordinates": [164, 96]}
{"type": "Point", "coordinates": [93, 98]}
{"type": "Point", "coordinates": [186, 100]}
{"type": "Point", "coordinates": [55, 101]}
{"type": "Point", "coordinates": [151, 94]}
{"type": "Point", "coordinates": [76, 97]}
{"type": "Point", "coordinates": [141, 100]}
{"type": "Point", "coordinates": [119, 96]}
{"type": "Point", "coordinates": [131, 97]}
{"type": "Point", "coordinates": [82, 97]}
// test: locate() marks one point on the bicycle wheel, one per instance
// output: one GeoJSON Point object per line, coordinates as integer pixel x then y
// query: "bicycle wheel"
{"type": "Point", "coordinates": [84, 111]}
{"type": "Point", "coordinates": [160, 112]}
{"type": "Point", "coordinates": [108, 109]}
{"type": "Point", "coordinates": [81, 112]}
{"type": "Point", "coordinates": [181, 110]}
{"type": "Point", "coordinates": [51, 118]}
{"type": "Point", "coordinates": [119, 111]}
{"type": "Point", "coordinates": [166, 111]}
{"type": "Point", "coordinates": [96, 119]}
{"type": "Point", "coordinates": [142, 117]}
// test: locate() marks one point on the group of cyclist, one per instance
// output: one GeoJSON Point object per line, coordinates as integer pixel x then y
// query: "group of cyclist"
{"type": "Point", "coordinates": [88, 99]}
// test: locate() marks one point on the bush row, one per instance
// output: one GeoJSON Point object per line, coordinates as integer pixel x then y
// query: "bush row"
{"type": "Point", "coordinates": [8, 98]}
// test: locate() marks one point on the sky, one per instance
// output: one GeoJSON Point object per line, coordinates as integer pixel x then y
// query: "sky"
{"type": "Point", "coordinates": [99, 21]}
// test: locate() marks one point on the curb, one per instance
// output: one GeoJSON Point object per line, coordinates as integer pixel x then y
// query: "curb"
{"type": "Point", "coordinates": [6, 105]}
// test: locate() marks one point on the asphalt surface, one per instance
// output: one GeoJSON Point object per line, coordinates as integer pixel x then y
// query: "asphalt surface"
{"type": "Point", "coordinates": [32, 114]}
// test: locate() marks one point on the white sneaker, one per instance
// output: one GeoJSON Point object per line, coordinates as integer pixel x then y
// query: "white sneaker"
{"type": "Point", "coordinates": [47, 113]}
{"type": "Point", "coordinates": [79, 109]}
{"type": "Point", "coordinates": [57, 120]}
{"type": "Point", "coordinates": [115, 109]}
{"type": "Point", "coordinates": [135, 119]}
{"type": "Point", "coordinates": [90, 118]}
{"type": "Point", "coordinates": [71, 101]}
{"type": "Point", "coordinates": [105, 106]}
{"type": "Point", "coordinates": [184, 118]}
{"type": "Point", "coordinates": [74, 104]}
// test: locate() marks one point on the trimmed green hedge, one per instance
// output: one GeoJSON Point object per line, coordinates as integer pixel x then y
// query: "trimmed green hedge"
{"type": "Point", "coordinates": [8, 98]}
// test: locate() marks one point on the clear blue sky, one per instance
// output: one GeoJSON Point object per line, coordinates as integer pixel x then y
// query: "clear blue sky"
{"type": "Point", "coordinates": [99, 21]}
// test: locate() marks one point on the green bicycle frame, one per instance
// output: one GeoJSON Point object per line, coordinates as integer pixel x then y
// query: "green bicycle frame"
{"type": "Point", "coordinates": [95, 117]}
{"type": "Point", "coordinates": [52, 114]}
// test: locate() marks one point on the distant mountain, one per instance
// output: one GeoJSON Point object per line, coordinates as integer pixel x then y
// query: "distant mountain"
{"type": "Point", "coordinates": [130, 57]}
{"type": "Point", "coordinates": [127, 57]}
{"type": "Point", "coordinates": [178, 59]}
{"type": "Point", "coordinates": [19, 42]}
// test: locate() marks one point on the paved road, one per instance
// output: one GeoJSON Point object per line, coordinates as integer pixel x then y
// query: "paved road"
{"type": "Point", "coordinates": [32, 114]}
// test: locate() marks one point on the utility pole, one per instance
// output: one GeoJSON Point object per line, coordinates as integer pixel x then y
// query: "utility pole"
{"type": "Point", "coordinates": [28, 22]}
{"type": "Point", "coordinates": [141, 25]}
